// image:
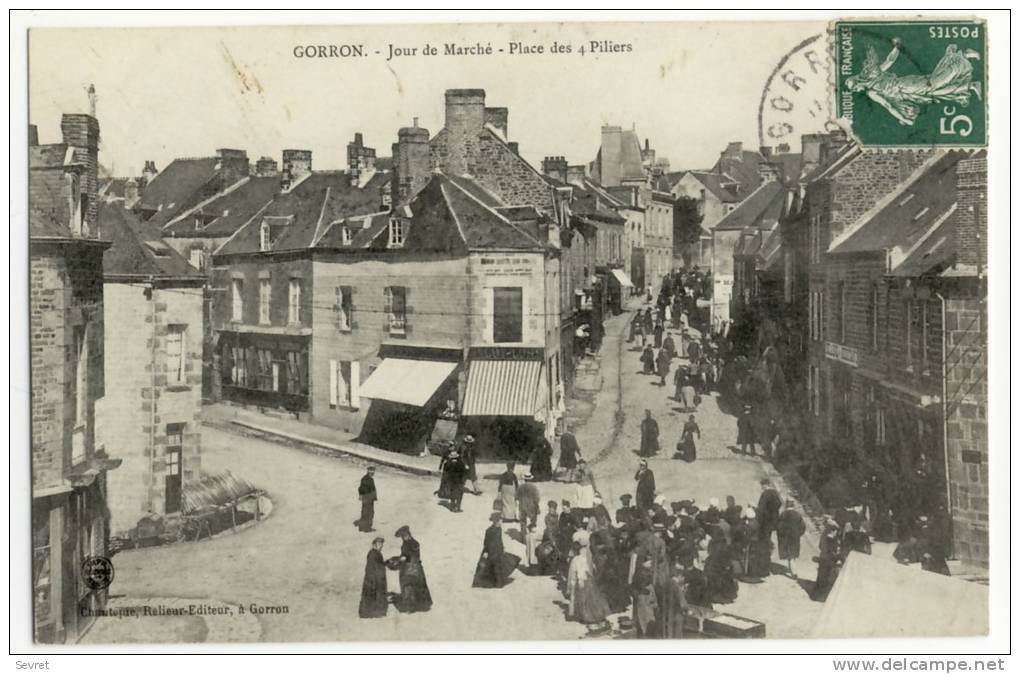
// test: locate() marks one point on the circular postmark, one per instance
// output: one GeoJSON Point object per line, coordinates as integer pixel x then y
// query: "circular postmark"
{"type": "Point", "coordinates": [795, 100]}
{"type": "Point", "coordinates": [97, 572]}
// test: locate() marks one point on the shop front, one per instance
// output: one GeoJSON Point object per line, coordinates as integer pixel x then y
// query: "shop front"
{"type": "Point", "coordinates": [505, 401]}
{"type": "Point", "coordinates": [413, 393]}
{"type": "Point", "coordinates": [265, 369]}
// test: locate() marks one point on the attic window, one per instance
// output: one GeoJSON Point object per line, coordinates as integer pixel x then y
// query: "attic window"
{"type": "Point", "coordinates": [264, 236]}
{"type": "Point", "coordinates": [158, 248]}
{"type": "Point", "coordinates": [346, 235]}
{"type": "Point", "coordinates": [398, 232]}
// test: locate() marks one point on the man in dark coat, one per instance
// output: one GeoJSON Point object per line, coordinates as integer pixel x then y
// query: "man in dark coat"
{"type": "Point", "coordinates": [769, 505]}
{"type": "Point", "coordinates": [541, 462]}
{"type": "Point", "coordinates": [733, 512]}
{"type": "Point", "coordinates": [745, 431]}
{"type": "Point", "coordinates": [645, 488]}
{"type": "Point", "coordinates": [648, 322]}
{"type": "Point", "coordinates": [669, 346]}
{"type": "Point", "coordinates": [570, 451]}
{"type": "Point", "coordinates": [649, 437]}
{"type": "Point", "coordinates": [491, 571]}
{"type": "Point", "coordinates": [662, 365]}
{"type": "Point", "coordinates": [789, 530]}
{"type": "Point", "coordinates": [367, 496]}
{"type": "Point", "coordinates": [467, 453]}
{"type": "Point", "coordinates": [648, 360]}
{"type": "Point", "coordinates": [455, 472]}
{"type": "Point", "coordinates": [374, 600]}
{"type": "Point", "coordinates": [626, 513]}
{"type": "Point", "coordinates": [657, 331]}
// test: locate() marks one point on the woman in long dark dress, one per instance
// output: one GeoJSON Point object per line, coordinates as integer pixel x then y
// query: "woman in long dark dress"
{"type": "Point", "coordinates": [373, 589]}
{"type": "Point", "coordinates": [541, 463]}
{"type": "Point", "coordinates": [414, 589]}
{"type": "Point", "coordinates": [686, 449]}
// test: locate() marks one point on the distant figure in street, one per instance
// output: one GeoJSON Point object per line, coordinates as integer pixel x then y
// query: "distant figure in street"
{"type": "Point", "coordinates": [648, 322]}
{"type": "Point", "coordinates": [769, 505]}
{"type": "Point", "coordinates": [528, 501]}
{"type": "Point", "coordinates": [855, 539]}
{"type": "Point", "coordinates": [414, 589]}
{"type": "Point", "coordinates": [679, 377]}
{"type": "Point", "coordinates": [585, 496]}
{"type": "Point", "coordinates": [648, 360]}
{"type": "Point", "coordinates": [367, 496]}
{"type": "Point", "coordinates": [688, 395]}
{"type": "Point", "coordinates": [674, 608]}
{"type": "Point", "coordinates": [570, 452]}
{"type": "Point", "coordinates": [635, 327]}
{"type": "Point", "coordinates": [491, 570]}
{"type": "Point", "coordinates": [587, 603]}
{"type": "Point", "coordinates": [645, 490]}
{"type": "Point", "coordinates": [828, 564]}
{"type": "Point", "coordinates": [508, 493]}
{"type": "Point", "coordinates": [468, 451]}
{"type": "Point", "coordinates": [669, 346]}
{"type": "Point", "coordinates": [626, 513]}
{"type": "Point", "coordinates": [373, 589]}
{"type": "Point", "coordinates": [662, 365]}
{"type": "Point", "coordinates": [454, 473]}
{"type": "Point", "coordinates": [686, 449]}
{"type": "Point", "coordinates": [733, 512]}
{"type": "Point", "coordinates": [745, 431]}
{"type": "Point", "coordinates": [789, 531]}
{"type": "Point", "coordinates": [658, 335]}
{"type": "Point", "coordinates": [649, 435]}
{"type": "Point", "coordinates": [541, 460]}
{"type": "Point", "coordinates": [694, 351]}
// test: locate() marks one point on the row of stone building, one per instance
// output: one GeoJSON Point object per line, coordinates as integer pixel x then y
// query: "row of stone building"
{"type": "Point", "coordinates": [866, 269]}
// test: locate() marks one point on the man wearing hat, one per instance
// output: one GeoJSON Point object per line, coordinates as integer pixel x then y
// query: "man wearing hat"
{"type": "Point", "coordinates": [454, 472]}
{"type": "Point", "coordinates": [745, 431]}
{"type": "Point", "coordinates": [769, 505]}
{"type": "Point", "coordinates": [490, 571]}
{"type": "Point", "coordinates": [468, 450]}
{"type": "Point", "coordinates": [625, 513]}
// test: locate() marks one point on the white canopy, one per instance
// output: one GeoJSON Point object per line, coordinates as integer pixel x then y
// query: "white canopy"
{"type": "Point", "coordinates": [875, 597]}
{"type": "Point", "coordinates": [410, 382]}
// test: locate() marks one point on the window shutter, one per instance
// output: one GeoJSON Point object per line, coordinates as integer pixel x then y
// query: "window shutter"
{"type": "Point", "coordinates": [338, 307]}
{"type": "Point", "coordinates": [387, 308]}
{"type": "Point", "coordinates": [355, 384]}
{"type": "Point", "coordinates": [407, 301]}
{"type": "Point", "coordinates": [332, 383]}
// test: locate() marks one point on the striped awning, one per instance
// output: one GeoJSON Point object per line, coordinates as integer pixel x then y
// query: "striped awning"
{"type": "Point", "coordinates": [502, 388]}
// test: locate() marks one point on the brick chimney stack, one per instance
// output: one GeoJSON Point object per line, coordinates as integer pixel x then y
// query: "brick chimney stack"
{"type": "Point", "coordinates": [296, 165]}
{"type": "Point", "coordinates": [149, 172]}
{"type": "Point", "coordinates": [609, 168]}
{"type": "Point", "coordinates": [555, 167]}
{"type": "Point", "coordinates": [266, 167]}
{"type": "Point", "coordinates": [412, 165]}
{"type": "Point", "coordinates": [232, 165]}
{"type": "Point", "coordinates": [81, 132]}
{"type": "Point", "coordinates": [972, 211]}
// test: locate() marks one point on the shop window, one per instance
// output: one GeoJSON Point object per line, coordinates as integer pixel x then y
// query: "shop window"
{"type": "Point", "coordinates": [507, 315]}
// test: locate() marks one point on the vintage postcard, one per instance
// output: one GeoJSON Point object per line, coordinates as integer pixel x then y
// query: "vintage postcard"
{"type": "Point", "coordinates": [519, 331]}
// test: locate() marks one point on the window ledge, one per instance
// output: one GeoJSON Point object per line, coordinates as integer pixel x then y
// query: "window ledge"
{"type": "Point", "coordinates": [345, 330]}
{"type": "Point", "coordinates": [177, 388]}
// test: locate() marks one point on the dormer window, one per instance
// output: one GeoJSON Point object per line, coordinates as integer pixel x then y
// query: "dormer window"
{"type": "Point", "coordinates": [398, 232]}
{"type": "Point", "coordinates": [347, 235]}
{"type": "Point", "coordinates": [264, 236]}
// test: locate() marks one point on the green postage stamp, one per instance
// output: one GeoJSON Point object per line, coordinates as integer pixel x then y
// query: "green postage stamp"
{"type": "Point", "coordinates": [912, 83]}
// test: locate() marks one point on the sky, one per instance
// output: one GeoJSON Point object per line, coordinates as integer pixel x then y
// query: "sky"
{"type": "Point", "coordinates": [690, 88]}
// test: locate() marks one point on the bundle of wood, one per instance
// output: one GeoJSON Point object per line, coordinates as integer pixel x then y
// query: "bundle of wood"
{"type": "Point", "coordinates": [216, 491]}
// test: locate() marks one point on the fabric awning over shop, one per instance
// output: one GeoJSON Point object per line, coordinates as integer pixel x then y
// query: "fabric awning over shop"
{"type": "Point", "coordinates": [410, 382]}
{"type": "Point", "coordinates": [877, 598]}
{"type": "Point", "coordinates": [502, 388]}
{"type": "Point", "coordinates": [622, 278]}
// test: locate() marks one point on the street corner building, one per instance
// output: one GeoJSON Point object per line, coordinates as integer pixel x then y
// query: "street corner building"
{"type": "Point", "coordinates": [70, 516]}
{"type": "Point", "coordinates": [150, 415]}
{"type": "Point", "coordinates": [400, 313]}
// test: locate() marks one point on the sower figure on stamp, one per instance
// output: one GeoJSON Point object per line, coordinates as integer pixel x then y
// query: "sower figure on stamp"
{"type": "Point", "coordinates": [368, 497]}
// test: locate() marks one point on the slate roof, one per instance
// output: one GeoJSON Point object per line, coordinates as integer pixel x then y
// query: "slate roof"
{"type": "Point", "coordinates": [298, 217]}
{"type": "Point", "coordinates": [900, 219]}
{"type": "Point", "coordinates": [169, 191]}
{"type": "Point", "coordinates": [761, 207]}
{"type": "Point", "coordinates": [138, 250]}
{"type": "Point", "coordinates": [743, 170]}
{"type": "Point", "coordinates": [223, 214]}
{"type": "Point", "coordinates": [713, 183]}
{"type": "Point", "coordinates": [932, 255]}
